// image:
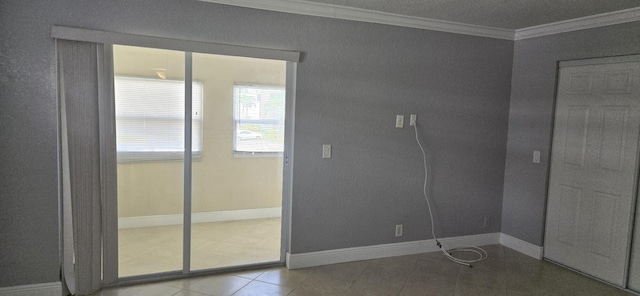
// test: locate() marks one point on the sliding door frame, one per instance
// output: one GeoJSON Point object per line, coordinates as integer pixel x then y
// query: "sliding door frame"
{"type": "Point", "coordinates": [188, 164]}
{"type": "Point", "coordinates": [108, 155]}
{"type": "Point", "coordinates": [108, 173]}
{"type": "Point", "coordinates": [289, 134]}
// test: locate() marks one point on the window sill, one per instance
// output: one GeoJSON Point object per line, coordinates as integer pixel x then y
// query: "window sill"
{"type": "Point", "coordinates": [256, 154]}
{"type": "Point", "coordinates": [130, 157]}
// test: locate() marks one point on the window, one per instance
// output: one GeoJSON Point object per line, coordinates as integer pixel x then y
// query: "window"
{"type": "Point", "coordinates": [150, 119]}
{"type": "Point", "coordinates": [258, 118]}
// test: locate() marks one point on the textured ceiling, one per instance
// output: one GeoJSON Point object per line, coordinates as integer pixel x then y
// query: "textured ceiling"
{"type": "Point", "coordinates": [506, 14]}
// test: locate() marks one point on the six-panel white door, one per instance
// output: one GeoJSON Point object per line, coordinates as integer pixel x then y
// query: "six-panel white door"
{"type": "Point", "coordinates": [593, 168]}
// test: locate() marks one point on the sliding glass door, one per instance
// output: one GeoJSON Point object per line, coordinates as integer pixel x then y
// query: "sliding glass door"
{"type": "Point", "coordinates": [237, 179]}
{"type": "Point", "coordinates": [149, 104]}
{"type": "Point", "coordinates": [229, 187]}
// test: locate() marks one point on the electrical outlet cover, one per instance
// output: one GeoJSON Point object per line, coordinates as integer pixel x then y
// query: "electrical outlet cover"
{"type": "Point", "coordinates": [399, 230]}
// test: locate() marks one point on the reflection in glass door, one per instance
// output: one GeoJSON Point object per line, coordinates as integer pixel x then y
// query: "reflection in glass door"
{"type": "Point", "coordinates": [237, 180]}
{"type": "Point", "coordinates": [234, 180]}
{"type": "Point", "coordinates": [149, 103]}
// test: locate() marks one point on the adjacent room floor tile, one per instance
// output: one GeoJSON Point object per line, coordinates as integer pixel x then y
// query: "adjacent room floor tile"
{"type": "Point", "coordinates": [218, 244]}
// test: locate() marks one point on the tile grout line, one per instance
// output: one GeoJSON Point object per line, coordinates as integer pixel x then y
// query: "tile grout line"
{"type": "Point", "coordinates": [455, 287]}
{"type": "Point", "coordinates": [251, 281]}
{"type": "Point", "coordinates": [504, 270]}
{"type": "Point", "coordinates": [404, 283]}
{"type": "Point", "coordinates": [358, 277]}
{"type": "Point", "coordinates": [300, 284]}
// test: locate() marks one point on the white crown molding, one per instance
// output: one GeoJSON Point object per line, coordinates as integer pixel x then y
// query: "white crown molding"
{"type": "Point", "coordinates": [370, 16]}
{"type": "Point", "coordinates": [587, 22]}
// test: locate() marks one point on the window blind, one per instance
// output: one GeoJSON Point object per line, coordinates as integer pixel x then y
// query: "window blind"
{"type": "Point", "coordinates": [150, 118]}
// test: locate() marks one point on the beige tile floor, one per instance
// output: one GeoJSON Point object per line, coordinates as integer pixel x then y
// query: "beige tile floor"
{"type": "Point", "coordinates": [506, 272]}
{"type": "Point", "coordinates": [213, 245]}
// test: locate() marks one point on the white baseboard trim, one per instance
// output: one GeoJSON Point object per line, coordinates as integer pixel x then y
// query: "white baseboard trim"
{"type": "Point", "coordinates": [303, 260]}
{"type": "Point", "coordinates": [46, 289]}
{"type": "Point", "coordinates": [218, 216]}
{"type": "Point", "coordinates": [521, 246]}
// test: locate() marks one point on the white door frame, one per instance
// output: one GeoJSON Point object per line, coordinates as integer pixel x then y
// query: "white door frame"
{"type": "Point", "coordinates": [584, 62]}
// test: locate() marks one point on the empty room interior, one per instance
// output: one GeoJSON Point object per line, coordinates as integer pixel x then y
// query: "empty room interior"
{"type": "Point", "coordinates": [319, 147]}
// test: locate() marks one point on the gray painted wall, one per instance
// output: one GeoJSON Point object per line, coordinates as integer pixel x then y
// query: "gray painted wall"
{"type": "Point", "coordinates": [531, 114]}
{"type": "Point", "coordinates": [353, 80]}
{"type": "Point", "coordinates": [28, 155]}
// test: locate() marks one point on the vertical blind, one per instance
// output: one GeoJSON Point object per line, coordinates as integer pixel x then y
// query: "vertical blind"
{"type": "Point", "coordinates": [79, 92]}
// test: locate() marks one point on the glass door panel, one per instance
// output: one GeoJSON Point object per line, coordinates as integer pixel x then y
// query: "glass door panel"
{"type": "Point", "coordinates": [149, 103]}
{"type": "Point", "coordinates": [237, 177]}
{"type": "Point", "coordinates": [234, 181]}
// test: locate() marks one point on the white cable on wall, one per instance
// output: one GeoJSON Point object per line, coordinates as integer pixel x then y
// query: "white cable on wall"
{"type": "Point", "coordinates": [447, 252]}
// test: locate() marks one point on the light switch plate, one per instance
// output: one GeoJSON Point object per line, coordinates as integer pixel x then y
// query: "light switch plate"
{"type": "Point", "coordinates": [326, 151]}
{"type": "Point", "coordinates": [399, 121]}
{"type": "Point", "coordinates": [536, 156]}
